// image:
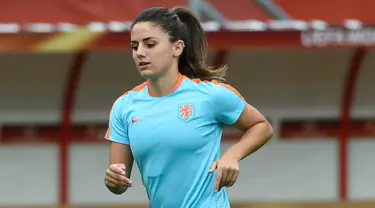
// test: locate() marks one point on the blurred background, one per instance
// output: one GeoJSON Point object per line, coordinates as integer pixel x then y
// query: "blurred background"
{"type": "Point", "coordinates": [307, 65]}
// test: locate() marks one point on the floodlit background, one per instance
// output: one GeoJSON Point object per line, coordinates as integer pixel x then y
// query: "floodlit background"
{"type": "Point", "coordinates": [64, 62]}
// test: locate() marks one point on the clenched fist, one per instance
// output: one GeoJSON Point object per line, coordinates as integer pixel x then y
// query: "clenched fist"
{"type": "Point", "coordinates": [116, 179]}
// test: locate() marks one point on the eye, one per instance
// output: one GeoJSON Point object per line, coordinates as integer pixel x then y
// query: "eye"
{"type": "Point", "coordinates": [150, 45]}
{"type": "Point", "coordinates": [134, 47]}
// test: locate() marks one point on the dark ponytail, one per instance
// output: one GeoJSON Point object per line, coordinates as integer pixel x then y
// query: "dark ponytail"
{"type": "Point", "coordinates": [192, 62]}
{"type": "Point", "coordinates": [181, 24]}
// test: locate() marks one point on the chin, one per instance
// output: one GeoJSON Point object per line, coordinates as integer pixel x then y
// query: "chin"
{"type": "Point", "coordinates": [147, 74]}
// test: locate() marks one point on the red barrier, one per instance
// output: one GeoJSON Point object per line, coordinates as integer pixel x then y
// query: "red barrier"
{"type": "Point", "coordinates": [346, 106]}
{"type": "Point", "coordinates": [67, 109]}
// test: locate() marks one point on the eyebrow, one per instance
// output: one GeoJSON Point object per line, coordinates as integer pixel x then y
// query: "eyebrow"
{"type": "Point", "coordinates": [144, 39]}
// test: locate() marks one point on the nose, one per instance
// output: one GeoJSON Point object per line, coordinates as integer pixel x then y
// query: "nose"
{"type": "Point", "coordinates": [140, 52]}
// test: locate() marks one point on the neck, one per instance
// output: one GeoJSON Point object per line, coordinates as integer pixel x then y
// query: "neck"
{"type": "Point", "coordinates": [164, 85]}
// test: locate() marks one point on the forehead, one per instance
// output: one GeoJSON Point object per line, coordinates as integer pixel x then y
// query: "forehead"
{"type": "Point", "coordinates": [144, 30]}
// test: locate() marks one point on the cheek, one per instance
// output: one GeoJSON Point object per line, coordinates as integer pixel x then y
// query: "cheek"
{"type": "Point", "coordinates": [163, 58]}
{"type": "Point", "coordinates": [134, 55]}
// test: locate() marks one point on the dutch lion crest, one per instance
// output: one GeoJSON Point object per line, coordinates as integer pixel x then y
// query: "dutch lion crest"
{"type": "Point", "coordinates": [186, 112]}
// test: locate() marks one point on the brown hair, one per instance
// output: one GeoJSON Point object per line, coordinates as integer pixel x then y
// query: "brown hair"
{"type": "Point", "coordinates": [181, 24]}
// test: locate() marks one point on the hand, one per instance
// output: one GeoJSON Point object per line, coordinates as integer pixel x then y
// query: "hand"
{"type": "Point", "coordinates": [116, 177]}
{"type": "Point", "coordinates": [227, 172]}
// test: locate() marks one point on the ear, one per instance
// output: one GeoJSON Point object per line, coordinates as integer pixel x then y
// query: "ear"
{"type": "Point", "coordinates": [178, 48]}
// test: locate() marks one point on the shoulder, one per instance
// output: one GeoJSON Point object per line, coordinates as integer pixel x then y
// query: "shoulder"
{"type": "Point", "coordinates": [127, 97]}
{"type": "Point", "coordinates": [219, 89]}
{"type": "Point", "coordinates": [214, 89]}
{"type": "Point", "coordinates": [136, 91]}
{"type": "Point", "coordinates": [199, 85]}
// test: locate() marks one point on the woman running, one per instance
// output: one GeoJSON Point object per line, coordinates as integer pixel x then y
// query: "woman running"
{"type": "Point", "coordinates": [172, 124]}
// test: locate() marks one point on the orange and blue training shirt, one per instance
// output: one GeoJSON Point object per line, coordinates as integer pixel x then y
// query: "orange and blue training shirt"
{"type": "Point", "coordinates": [175, 139]}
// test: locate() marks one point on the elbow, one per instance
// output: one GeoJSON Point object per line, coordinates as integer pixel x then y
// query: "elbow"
{"type": "Point", "coordinates": [269, 131]}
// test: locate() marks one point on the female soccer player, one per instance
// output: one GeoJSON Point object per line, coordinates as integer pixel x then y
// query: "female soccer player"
{"type": "Point", "coordinates": [171, 125]}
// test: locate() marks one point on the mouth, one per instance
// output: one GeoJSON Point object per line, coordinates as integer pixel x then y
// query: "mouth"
{"type": "Point", "coordinates": [143, 64]}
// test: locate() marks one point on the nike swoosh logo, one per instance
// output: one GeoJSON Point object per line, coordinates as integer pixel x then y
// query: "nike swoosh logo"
{"type": "Point", "coordinates": [137, 119]}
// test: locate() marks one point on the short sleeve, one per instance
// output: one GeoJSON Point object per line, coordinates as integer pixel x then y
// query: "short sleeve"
{"type": "Point", "coordinates": [227, 103]}
{"type": "Point", "coordinates": [117, 127]}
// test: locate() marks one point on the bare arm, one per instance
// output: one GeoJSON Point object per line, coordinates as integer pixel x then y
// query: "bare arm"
{"type": "Point", "coordinates": [229, 108]}
{"type": "Point", "coordinates": [258, 131]}
{"type": "Point", "coordinates": [121, 158]}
